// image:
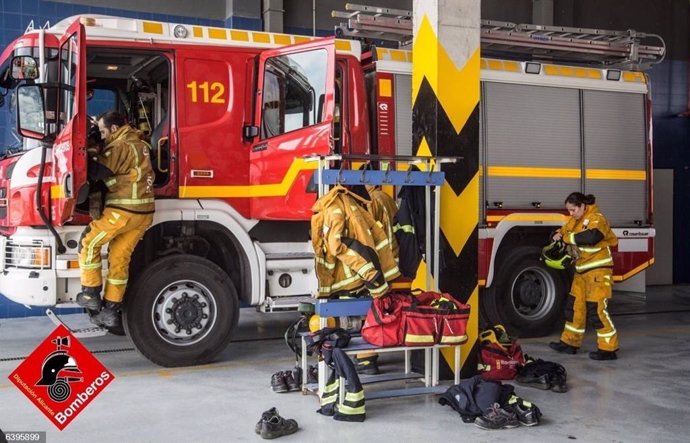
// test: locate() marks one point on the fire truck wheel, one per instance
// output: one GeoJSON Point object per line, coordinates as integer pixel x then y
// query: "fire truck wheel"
{"type": "Point", "coordinates": [526, 296]}
{"type": "Point", "coordinates": [181, 311]}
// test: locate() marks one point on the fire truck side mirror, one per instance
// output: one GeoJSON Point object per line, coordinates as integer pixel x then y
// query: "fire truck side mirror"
{"type": "Point", "coordinates": [31, 121]}
{"type": "Point", "coordinates": [24, 67]}
{"type": "Point", "coordinates": [249, 132]}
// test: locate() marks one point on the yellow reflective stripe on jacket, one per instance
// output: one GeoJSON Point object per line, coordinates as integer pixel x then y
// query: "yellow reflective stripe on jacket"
{"type": "Point", "coordinates": [130, 201]}
{"type": "Point", "coordinates": [324, 263]}
{"type": "Point", "coordinates": [110, 182]}
{"type": "Point", "coordinates": [594, 264]}
{"type": "Point", "coordinates": [405, 228]}
{"type": "Point", "coordinates": [589, 249]}
{"type": "Point", "coordinates": [366, 268]}
{"type": "Point", "coordinates": [390, 272]}
{"type": "Point", "coordinates": [376, 292]}
{"type": "Point", "coordinates": [382, 244]}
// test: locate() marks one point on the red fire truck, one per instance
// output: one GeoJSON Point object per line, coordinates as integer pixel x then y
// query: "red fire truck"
{"type": "Point", "coordinates": [231, 115]}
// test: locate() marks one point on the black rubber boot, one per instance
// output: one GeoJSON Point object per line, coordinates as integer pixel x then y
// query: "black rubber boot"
{"type": "Point", "coordinates": [90, 298]}
{"type": "Point", "coordinates": [109, 316]}
{"type": "Point", "coordinates": [563, 348]}
{"type": "Point", "coordinates": [367, 365]}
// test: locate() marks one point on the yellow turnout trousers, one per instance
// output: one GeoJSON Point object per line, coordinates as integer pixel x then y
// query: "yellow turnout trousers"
{"type": "Point", "coordinates": [588, 301]}
{"type": "Point", "coordinates": [122, 230]}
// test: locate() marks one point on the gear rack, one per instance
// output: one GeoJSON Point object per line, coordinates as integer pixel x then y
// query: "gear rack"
{"type": "Point", "coordinates": [579, 46]}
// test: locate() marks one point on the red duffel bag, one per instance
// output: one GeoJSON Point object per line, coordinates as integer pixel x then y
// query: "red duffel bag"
{"type": "Point", "coordinates": [435, 318]}
{"type": "Point", "coordinates": [384, 322]}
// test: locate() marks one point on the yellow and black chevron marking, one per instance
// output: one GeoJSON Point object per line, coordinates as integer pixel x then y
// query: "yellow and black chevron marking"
{"type": "Point", "coordinates": [445, 109]}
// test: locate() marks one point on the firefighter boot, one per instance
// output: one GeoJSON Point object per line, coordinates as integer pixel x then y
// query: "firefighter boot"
{"type": "Point", "coordinates": [367, 365]}
{"type": "Point", "coordinates": [90, 298]}
{"type": "Point", "coordinates": [109, 316]}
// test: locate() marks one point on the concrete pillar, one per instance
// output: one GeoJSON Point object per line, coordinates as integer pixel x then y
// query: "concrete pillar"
{"type": "Point", "coordinates": [273, 15]}
{"type": "Point", "coordinates": [445, 122]}
{"type": "Point", "coordinates": [542, 12]}
{"type": "Point", "coordinates": [241, 14]}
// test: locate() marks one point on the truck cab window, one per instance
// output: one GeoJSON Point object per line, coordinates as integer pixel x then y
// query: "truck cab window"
{"type": "Point", "coordinates": [294, 85]}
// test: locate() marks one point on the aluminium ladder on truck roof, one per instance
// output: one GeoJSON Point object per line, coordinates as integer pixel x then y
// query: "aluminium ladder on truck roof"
{"type": "Point", "coordinates": [581, 46]}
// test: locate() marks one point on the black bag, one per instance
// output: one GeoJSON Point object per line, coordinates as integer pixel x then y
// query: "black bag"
{"type": "Point", "coordinates": [471, 397]}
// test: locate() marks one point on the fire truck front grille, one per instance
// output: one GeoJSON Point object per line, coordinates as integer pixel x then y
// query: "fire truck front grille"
{"type": "Point", "coordinates": [34, 255]}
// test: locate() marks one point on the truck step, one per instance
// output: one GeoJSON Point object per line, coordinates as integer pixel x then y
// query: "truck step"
{"type": "Point", "coordinates": [79, 332]}
{"type": "Point", "coordinates": [283, 304]}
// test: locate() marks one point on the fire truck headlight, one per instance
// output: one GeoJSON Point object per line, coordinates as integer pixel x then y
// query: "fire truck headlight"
{"type": "Point", "coordinates": [29, 257]}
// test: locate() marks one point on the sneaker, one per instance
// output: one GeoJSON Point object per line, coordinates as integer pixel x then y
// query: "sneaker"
{"type": "Point", "coordinates": [527, 413]}
{"type": "Point", "coordinates": [367, 366]}
{"type": "Point", "coordinates": [277, 426]}
{"type": "Point", "coordinates": [563, 348]}
{"type": "Point", "coordinates": [291, 382]}
{"type": "Point", "coordinates": [266, 415]}
{"type": "Point", "coordinates": [497, 418]}
{"type": "Point", "coordinates": [603, 355]}
{"type": "Point", "coordinates": [278, 382]}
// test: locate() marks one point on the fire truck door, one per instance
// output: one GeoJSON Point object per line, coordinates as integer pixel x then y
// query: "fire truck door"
{"type": "Point", "coordinates": [69, 149]}
{"type": "Point", "coordinates": [294, 115]}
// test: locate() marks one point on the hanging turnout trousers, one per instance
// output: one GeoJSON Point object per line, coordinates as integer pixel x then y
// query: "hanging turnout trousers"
{"type": "Point", "coordinates": [352, 406]}
{"type": "Point", "coordinates": [591, 238]}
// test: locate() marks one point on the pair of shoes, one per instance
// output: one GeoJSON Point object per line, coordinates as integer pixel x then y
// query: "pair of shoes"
{"type": "Point", "coordinates": [284, 381]}
{"type": "Point", "coordinates": [543, 375]}
{"type": "Point", "coordinates": [367, 366]}
{"type": "Point", "coordinates": [497, 417]}
{"type": "Point", "coordinates": [272, 425]}
{"type": "Point", "coordinates": [312, 375]}
{"type": "Point", "coordinates": [563, 348]}
{"type": "Point", "coordinates": [603, 355]}
{"type": "Point", "coordinates": [527, 413]}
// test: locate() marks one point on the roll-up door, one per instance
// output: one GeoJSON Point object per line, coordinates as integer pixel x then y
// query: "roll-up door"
{"type": "Point", "coordinates": [533, 145]}
{"type": "Point", "coordinates": [615, 155]}
{"type": "Point", "coordinates": [403, 114]}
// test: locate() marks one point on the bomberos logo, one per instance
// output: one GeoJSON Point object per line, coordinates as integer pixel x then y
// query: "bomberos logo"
{"type": "Point", "coordinates": [61, 377]}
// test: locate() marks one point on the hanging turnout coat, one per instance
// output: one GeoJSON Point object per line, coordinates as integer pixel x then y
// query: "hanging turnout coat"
{"type": "Point", "coordinates": [351, 250]}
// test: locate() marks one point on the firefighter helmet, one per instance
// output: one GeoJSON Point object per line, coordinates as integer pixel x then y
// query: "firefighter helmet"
{"type": "Point", "coordinates": [555, 255]}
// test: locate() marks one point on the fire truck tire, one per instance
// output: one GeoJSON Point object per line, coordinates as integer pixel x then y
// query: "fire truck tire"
{"type": "Point", "coordinates": [527, 297]}
{"type": "Point", "coordinates": [181, 311]}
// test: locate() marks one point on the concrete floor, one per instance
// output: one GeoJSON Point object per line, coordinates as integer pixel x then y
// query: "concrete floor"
{"type": "Point", "coordinates": [642, 397]}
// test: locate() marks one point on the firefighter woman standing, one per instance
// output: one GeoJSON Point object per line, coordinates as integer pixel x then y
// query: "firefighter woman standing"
{"type": "Point", "coordinates": [589, 238]}
{"type": "Point", "coordinates": [124, 167]}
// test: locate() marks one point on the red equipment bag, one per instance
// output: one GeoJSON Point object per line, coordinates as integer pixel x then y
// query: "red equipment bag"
{"type": "Point", "coordinates": [435, 318]}
{"type": "Point", "coordinates": [501, 356]}
{"type": "Point", "coordinates": [384, 322]}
